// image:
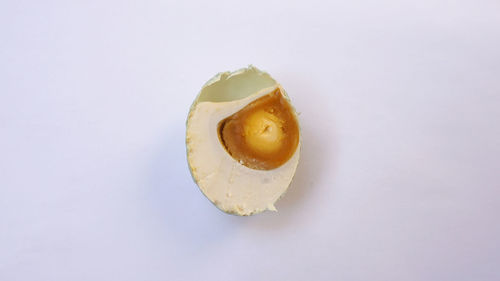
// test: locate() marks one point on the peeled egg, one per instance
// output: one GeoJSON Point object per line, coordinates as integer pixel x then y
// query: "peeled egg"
{"type": "Point", "coordinates": [243, 141]}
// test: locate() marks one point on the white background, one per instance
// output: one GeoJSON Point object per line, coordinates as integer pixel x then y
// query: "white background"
{"type": "Point", "coordinates": [400, 109]}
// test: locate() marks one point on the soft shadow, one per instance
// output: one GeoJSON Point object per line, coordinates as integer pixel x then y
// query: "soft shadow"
{"type": "Point", "coordinates": [316, 155]}
{"type": "Point", "coordinates": [176, 203]}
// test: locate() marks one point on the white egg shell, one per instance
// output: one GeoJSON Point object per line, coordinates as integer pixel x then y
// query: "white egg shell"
{"type": "Point", "coordinates": [231, 186]}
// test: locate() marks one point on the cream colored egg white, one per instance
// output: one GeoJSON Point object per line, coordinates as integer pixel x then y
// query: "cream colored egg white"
{"type": "Point", "coordinates": [231, 186]}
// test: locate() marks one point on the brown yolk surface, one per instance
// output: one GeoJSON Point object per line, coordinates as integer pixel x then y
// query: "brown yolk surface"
{"type": "Point", "coordinates": [263, 135]}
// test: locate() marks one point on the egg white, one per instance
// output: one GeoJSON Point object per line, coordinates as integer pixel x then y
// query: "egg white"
{"type": "Point", "coordinates": [231, 186]}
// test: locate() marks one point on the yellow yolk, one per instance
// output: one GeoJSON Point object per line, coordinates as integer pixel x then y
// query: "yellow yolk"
{"type": "Point", "coordinates": [263, 135]}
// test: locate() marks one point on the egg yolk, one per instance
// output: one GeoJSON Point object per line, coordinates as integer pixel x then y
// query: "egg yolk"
{"type": "Point", "coordinates": [263, 135]}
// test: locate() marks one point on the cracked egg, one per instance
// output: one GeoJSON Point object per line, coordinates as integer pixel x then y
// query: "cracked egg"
{"type": "Point", "coordinates": [243, 141]}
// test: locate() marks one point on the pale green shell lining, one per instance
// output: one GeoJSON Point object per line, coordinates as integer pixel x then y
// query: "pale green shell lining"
{"type": "Point", "coordinates": [230, 86]}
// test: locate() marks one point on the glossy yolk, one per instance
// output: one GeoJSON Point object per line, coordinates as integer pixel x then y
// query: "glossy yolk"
{"type": "Point", "coordinates": [263, 135]}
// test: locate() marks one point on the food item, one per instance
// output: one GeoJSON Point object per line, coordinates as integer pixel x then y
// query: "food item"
{"type": "Point", "coordinates": [243, 141]}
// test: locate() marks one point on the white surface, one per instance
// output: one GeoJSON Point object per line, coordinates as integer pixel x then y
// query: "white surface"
{"type": "Point", "coordinates": [399, 178]}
